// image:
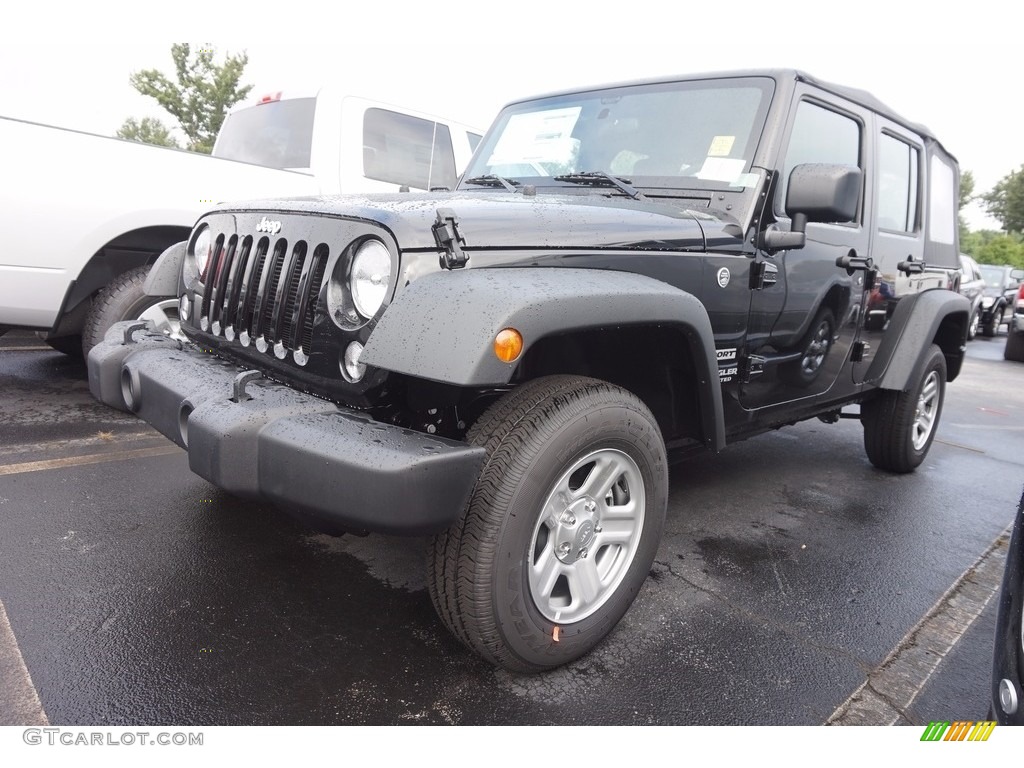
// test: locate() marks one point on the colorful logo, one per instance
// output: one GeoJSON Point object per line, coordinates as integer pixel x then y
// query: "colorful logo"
{"type": "Point", "coordinates": [961, 730]}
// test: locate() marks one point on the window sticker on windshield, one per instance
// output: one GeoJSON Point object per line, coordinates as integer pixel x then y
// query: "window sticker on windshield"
{"type": "Point", "coordinates": [747, 180]}
{"type": "Point", "coordinates": [721, 168]}
{"type": "Point", "coordinates": [721, 146]}
{"type": "Point", "coordinates": [538, 136]}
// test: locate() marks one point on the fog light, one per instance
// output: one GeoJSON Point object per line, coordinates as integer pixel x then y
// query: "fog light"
{"type": "Point", "coordinates": [508, 345]}
{"type": "Point", "coordinates": [351, 368]}
{"type": "Point", "coordinates": [184, 307]}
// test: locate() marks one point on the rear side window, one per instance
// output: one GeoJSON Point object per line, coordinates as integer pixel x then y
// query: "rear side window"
{"type": "Point", "coordinates": [407, 150]}
{"type": "Point", "coordinates": [819, 135]}
{"type": "Point", "coordinates": [278, 134]}
{"type": "Point", "coordinates": [897, 184]}
{"type": "Point", "coordinates": [942, 202]}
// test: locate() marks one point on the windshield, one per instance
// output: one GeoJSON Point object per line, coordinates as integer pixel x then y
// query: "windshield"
{"type": "Point", "coordinates": [679, 135]}
{"type": "Point", "coordinates": [993, 276]}
{"type": "Point", "coordinates": [278, 134]}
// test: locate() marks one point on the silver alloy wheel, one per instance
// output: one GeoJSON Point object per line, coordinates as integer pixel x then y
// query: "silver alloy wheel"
{"type": "Point", "coordinates": [164, 315]}
{"type": "Point", "coordinates": [975, 322]}
{"type": "Point", "coordinates": [927, 409]}
{"type": "Point", "coordinates": [586, 536]}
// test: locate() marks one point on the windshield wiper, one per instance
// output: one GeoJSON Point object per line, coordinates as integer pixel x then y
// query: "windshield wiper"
{"type": "Point", "coordinates": [491, 180]}
{"type": "Point", "coordinates": [602, 179]}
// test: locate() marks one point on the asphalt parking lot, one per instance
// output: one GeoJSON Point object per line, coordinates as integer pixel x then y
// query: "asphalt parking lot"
{"type": "Point", "coordinates": [792, 581]}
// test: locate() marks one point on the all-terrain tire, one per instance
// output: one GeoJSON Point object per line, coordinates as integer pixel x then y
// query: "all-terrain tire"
{"type": "Point", "coordinates": [122, 299]}
{"type": "Point", "coordinates": [566, 455]}
{"type": "Point", "coordinates": [899, 426]}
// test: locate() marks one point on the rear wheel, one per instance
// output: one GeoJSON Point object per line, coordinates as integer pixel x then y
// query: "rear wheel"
{"type": "Point", "coordinates": [562, 527]}
{"type": "Point", "coordinates": [124, 299]}
{"type": "Point", "coordinates": [899, 426]}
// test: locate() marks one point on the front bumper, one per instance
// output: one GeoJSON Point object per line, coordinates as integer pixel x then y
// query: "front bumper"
{"type": "Point", "coordinates": [335, 468]}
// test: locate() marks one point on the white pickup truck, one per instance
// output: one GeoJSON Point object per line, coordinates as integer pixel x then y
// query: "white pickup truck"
{"type": "Point", "coordinates": [86, 215]}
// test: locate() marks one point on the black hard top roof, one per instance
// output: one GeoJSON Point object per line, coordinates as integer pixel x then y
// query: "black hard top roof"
{"type": "Point", "coordinates": [856, 95]}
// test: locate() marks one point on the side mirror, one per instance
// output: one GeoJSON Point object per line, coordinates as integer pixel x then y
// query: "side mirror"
{"type": "Point", "coordinates": [818, 192]}
{"type": "Point", "coordinates": [823, 193]}
{"type": "Point", "coordinates": [1017, 274]}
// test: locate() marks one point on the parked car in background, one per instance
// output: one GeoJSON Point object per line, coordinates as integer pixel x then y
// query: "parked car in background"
{"type": "Point", "coordinates": [1000, 288]}
{"type": "Point", "coordinates": [94, 217]}
{"type": "Point", "coordinates": [1015, 326]}
{"type": "Point", "coordinates": [1007, 670]}
{"type": "Point", "coordinates": [972, 286]}
{"type": "Point", "coordinates": [349, 143]}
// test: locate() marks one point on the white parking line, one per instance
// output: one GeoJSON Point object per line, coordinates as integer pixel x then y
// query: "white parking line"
{"type": "Point", "coordinates": [92, 458]}
{"type": "Point", "coordinates": [20, 703]}
{"type": "Point", "coordinates": [893, 686]}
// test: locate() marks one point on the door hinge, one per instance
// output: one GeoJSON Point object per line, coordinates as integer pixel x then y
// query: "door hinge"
{"type": "Point", "coordinates": [751, 366]}
{"type": "Point", "coordinates": [449, 239]}
{"type": "Point", "coordinates": [763, 274]}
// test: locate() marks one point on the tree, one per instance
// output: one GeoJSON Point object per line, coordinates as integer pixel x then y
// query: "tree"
{"type": "Point", "coordinates": [990, 247]}
{"type": "Point", "coordinates": [148, 130]}
{"type": "Point", "coordinates": [1005, 201]}
{"type": "Point", "coordinates": [966, 197]}
{"type": "Point", "coordinates": [966, 188]}
{"type": "Point", "coordinates": [202, 94]}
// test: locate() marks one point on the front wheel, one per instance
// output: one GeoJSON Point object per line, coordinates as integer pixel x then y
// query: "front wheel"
{"type": "Point", "coordinates": [899, 426]}
{"type": "Point", "coordinates": [124, 299]}
{"type": "Point", "coordinates": [972, 328]}
{"type": "Point", "coordinates": [992, 326]}
{"type": "Point", "coordinates": [562, 527]}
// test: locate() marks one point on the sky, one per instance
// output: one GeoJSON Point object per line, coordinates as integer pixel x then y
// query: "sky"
{"type": "Point", "coordinates": [958, 73]}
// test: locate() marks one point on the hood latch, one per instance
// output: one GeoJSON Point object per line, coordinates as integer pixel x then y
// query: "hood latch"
{"type": "Point", "coordinates": [449, 239]}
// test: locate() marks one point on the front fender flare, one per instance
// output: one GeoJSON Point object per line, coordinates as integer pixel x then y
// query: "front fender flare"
{"type": "Point", "coordinates": [442, 326]}
{"type": "Point", "coordinates": [163, 276]}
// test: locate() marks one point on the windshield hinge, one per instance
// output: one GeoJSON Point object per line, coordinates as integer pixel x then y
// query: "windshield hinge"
{"type": "Point", "coordinates": [449, 239]}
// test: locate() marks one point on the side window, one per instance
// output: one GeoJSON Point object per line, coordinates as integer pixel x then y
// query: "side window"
{"type": "Point", "coordinates": [398, 148]}
{"type": "Point", "coordinates": [897, 184]}
{"type": "Point", "coordinates": [819, 135]}
{"type": "Point", "coordinates": [942, 202]}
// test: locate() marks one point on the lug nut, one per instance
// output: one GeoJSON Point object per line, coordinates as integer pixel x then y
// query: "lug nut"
{"type": "Point", "coordinates": [568, 518]}
{"type": "Point", "coordinates": [583, 552]}
{"type": "Point", "coordinates": [563, 548]}
{"type": "Point", "coordinates": [590, 506]}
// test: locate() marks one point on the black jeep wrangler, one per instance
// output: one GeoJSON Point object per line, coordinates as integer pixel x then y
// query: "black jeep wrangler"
{"type": "Point", "coordinates": [624, 276]}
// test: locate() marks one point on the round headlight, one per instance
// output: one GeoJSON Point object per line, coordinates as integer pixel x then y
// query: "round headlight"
{"type": "Point", "coordinates": [201, 247]}
{"type": "Point", "coordinates": [370, 277]}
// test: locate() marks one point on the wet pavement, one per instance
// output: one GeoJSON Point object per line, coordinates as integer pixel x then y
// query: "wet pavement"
{"type": "Point", "coordinates": [790, 569]}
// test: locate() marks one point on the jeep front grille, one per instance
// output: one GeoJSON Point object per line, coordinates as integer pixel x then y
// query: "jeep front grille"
{"type": "Point", "coordinates": [264, 292]}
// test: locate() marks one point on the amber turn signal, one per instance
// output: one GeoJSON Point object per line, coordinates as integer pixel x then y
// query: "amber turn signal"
{"type": "Point", "coordinates": [508, 345]}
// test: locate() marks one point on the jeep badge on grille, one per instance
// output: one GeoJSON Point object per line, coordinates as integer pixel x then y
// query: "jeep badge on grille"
{"type": "Point", "coordinates": [268, 226]}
